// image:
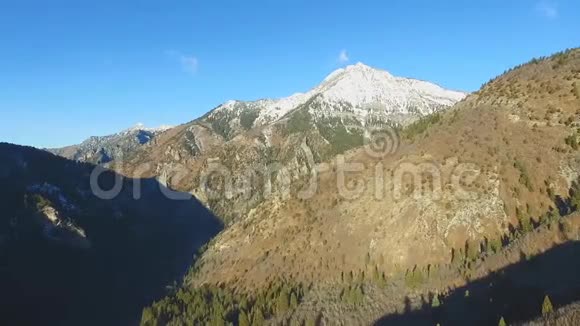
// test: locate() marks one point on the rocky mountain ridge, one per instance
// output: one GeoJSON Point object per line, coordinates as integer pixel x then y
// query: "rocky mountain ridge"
{"type": "Point", "coordinates": [104, 149]}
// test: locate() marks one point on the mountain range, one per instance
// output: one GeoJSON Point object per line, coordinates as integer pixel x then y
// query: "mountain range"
{"type": "Point", "coordinates": [352, 92]}
{"type": "Point", "coordinates": [369, 199]}
{"type": "Point", "coordinates": [332, 117]}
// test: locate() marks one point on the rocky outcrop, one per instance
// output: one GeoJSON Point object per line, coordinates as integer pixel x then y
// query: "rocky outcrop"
{"type": "Point", "coordinates": [58, 228]}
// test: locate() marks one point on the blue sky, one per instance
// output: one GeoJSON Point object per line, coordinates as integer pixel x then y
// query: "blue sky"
{"type": "Point", "coordinates": [72, 69]}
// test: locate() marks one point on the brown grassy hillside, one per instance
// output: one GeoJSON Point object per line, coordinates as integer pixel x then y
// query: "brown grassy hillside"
{"type": "Point", "coordinates": [455, 198]}
{"type": "Point", "coordinates": [488, 169]}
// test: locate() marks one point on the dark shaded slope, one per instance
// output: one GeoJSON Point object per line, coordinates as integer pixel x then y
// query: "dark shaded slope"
{"type": "Point", "coordinates": [137, 247]}
{"type": "Point", "coordinates": [516, 293]}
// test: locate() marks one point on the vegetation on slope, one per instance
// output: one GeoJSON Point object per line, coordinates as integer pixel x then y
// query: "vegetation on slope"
{"type": "Point", "coordinates": [214, 305]}
{"type": "Point", "coordinates": [519, 132]}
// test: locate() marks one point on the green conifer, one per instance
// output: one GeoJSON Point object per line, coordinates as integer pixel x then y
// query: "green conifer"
{"type": "Point", "coordinates": [436, 303]}
{"type": "Point", "coordinates": [547, 307]}
{"type": "Point", "coordinates": [243, 319]}
{"type": "Point", "coordinates": [502, 322]}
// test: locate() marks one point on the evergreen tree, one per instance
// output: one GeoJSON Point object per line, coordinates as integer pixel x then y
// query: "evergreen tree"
{"type": "Point", "coordinates": [472, 250]}
{"type": "Point", "coordinates": [495, 245]}
{"type": "Point", "coordinates": [526, 224]}
{"type": "Point", "coordinates": [502, 322]}
{"type": "Point", "coordinates": [349, 278]}
{"type": "Point", "coordinates": [414, 278]}
{"type": "Point", "coordinates": [296, 322]}
{"type": "Point", "coordinates": [311, 321]}
{"type": "Point", "coordinates": [243, 319]}
{"type": "Point", "coordinates": [244, 304]}
{"type": "Point", "coordinates": [293, 301]}
{"type": "Point", "coordinates": [376, 275]}
{"type": "Point", "coordinates": [218, 321]}
{"type": "Point", "coordinates": [383, 281]}
{"type": "Point", "coordinates": [436, 303]}
{"type": "Point", "coordinates": [361, 277]}
{"type": "Point", "coordinates": [148, 317]}
{"type": "Point", "coordinates": [259, 319]}
{"type": "Point", "coordinates": [358, 295]}
{"type": "Point", "coordinates": [547, 307]}
{"type": "Point", "coordinates": [283, 302]}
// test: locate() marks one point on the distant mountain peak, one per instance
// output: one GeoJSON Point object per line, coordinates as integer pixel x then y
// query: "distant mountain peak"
{"type": "Point", "coordinates": [141, 127]}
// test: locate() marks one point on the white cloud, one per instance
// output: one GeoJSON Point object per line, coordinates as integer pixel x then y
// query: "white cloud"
{"type": "Point", "coordinates": [189, 63]}
{"type": "Point", "coordinates": [547, 9]}
{"type": "Point", "coordinates": [343, 57]}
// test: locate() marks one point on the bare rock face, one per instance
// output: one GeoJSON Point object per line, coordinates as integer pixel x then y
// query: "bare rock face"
{"type": "Point", "coordinates": [61, 229]}
{"type": "Point", "coordinates": [52, 206]}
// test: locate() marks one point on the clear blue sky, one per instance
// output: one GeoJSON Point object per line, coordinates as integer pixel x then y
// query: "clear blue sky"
{"type": "Point", "coordinates": [72, 69]}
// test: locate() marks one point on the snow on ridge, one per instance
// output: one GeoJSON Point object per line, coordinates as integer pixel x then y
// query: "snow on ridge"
{"type": "Point", "coordinates": [360, 85]}
{"type": "Point", "coordinates": [140, 126]}
{"type": "Point", "coordinates": [334, 74]}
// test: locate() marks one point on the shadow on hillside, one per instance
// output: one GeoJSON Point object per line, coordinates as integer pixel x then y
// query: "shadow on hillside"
{"type": "Point", "coordinates": [139, 247]}
{"type": "Point", "coordinates": [515, 292]}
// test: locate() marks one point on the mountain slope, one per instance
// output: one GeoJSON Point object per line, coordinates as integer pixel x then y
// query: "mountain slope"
{"type": "Point", "coordinates": [248, 139]}
{"type": "Point", "coordinates": [65, 251]}
{"type": "Point", "coordinates": [460, 181]}
{"type": "Point", "coordinates": [459, 184]}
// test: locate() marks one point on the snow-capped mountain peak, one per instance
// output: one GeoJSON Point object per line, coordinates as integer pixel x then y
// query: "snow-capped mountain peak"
{"type": "Point", "coordinates": [359, 85]}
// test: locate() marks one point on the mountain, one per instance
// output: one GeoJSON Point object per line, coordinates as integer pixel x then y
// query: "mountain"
{"type": "Point", "coordinates": [453, 180]}
{"type": "Point", "coordinates": [455, 196]}
{"type": "Point", "coordinates": [101, 150]}
{"type": "Point", "coordinates": [67, 248]}
{"type": "Point", "coordinates": [249, 137]}
{"type": "Point", "coordinates": [355, 89]}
